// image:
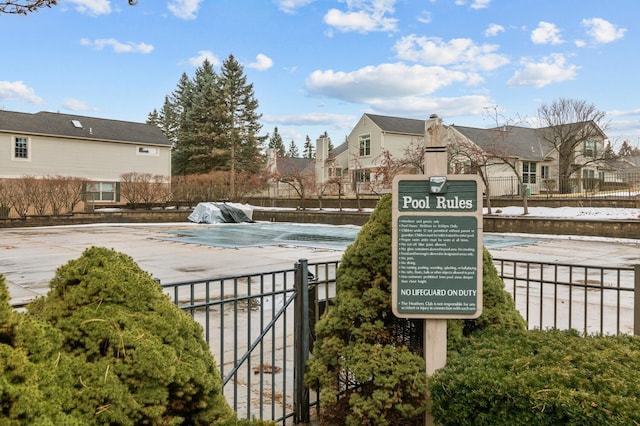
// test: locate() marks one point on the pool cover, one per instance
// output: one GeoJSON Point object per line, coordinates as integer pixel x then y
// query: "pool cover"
{"type": "Point", "coordinates": [232, 235]}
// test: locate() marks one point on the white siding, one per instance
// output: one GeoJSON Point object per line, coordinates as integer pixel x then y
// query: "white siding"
{"type": "Point", "coordinates": [99, 161]}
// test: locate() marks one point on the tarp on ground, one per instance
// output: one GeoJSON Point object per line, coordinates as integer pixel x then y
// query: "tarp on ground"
{"type": "Point", "coordinates": [221, 213]}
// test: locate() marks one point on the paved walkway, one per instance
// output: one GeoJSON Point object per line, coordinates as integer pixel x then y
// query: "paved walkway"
{"type": "Point", "coordinates": [29, 257]}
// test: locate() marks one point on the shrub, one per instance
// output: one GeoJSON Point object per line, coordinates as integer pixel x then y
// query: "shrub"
{"type": "Point", "coordinates": [106, 346]}
{"type": "Point", "coordinates": [366, 362]}
{"type": "Point", "coordinates": [540, 378]}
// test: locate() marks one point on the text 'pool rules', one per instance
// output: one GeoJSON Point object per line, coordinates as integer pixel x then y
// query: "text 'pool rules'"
{"type": "Point", "coordinates": [437, 246]}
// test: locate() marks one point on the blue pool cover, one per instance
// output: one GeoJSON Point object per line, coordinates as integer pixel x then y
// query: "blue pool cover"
{"type": "Point", "coordinates": [293, 234]}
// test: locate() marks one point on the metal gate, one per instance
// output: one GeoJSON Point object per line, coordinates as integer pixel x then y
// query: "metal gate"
{"type": "Point", "coordinates": [259, 330]}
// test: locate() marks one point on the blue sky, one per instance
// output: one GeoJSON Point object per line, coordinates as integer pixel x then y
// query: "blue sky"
{"type": "Point", "coordinates": [318, 65]}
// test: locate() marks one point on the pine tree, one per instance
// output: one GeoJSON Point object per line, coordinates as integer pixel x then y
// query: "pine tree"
{"type": "Point", "coordinates": [239, 121]}
{"type": "Point", "coordinates": [293, 150]}
{"type": "Point", "coordinates": [200, 127]}
{"type": "Point", "coordinates": [275, 142]}
{"type": "Point", "coordinates": [180, 100]}
{"type": "Point", "coordinates": [308, 148]}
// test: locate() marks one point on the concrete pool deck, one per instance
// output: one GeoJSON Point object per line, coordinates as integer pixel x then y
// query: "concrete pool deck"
{"type": "Point", "coordinates": [29, 257]}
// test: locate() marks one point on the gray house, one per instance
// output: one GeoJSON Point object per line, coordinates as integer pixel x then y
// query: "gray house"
{"type": "Point", "coordinates": [95, 150]}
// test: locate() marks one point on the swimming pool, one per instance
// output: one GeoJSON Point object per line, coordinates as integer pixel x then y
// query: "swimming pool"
{"type": "Point", "coordinates": [330, 237]}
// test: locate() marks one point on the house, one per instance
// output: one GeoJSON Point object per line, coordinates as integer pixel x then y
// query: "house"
{"type": "Point", "coordinates": [510, 158]}
{"type": "Point", "coordinates": [96, 151]}
{"type": "Point", "coordinates": [289, 177]}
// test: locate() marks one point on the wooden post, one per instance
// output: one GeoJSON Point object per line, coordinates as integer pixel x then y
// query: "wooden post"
{"type": "Point", "coordinates": [435, 330]}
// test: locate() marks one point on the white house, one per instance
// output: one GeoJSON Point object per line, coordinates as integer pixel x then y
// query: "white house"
{"type": "Point", "coordinates": [96, 150]}
{"type": "Point", "coordinates": [505, 155]}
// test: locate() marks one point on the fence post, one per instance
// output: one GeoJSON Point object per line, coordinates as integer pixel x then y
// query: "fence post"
{"type": "Point", "coordinates": [301, 412]}
{"type": "Point", "coordinates": [636, 300]}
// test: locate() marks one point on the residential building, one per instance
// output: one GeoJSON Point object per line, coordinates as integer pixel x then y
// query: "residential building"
{"type": "Point", "coordinates": [95, 150]}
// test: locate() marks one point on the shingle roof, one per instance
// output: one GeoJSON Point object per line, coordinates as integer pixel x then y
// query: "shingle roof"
{"type": "Point", "coordinates": [294, 166]}
{"type": "Point", "coordinates": [99, 129]}
{"type": "Point", "coordinates": [398, 125]}
{"type": "Point", "coordinates": [521, 142]}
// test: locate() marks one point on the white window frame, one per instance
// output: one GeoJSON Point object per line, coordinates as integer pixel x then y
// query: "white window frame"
{"type": "Point", "coordinates": [102, 189]}
{"type": "Point", "coordinates": [364, 145]}
{"type": "Point", "coordinates": [529, 172]}
{"type": "Point", "coordinates": [14, 148]}
{"type": "Point", "coordinates": [153, 151]}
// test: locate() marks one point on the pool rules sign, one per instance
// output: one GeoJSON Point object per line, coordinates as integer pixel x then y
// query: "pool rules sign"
{"type": "Point", "coordinates": [437, 246]}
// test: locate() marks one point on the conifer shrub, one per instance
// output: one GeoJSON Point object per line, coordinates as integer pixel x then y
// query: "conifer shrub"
{"type": "Point", "coordinates": [106, 346]}
{"type": "Point", "coordinates": [366, 362]}
{"type": "Point", "coordinates": [540, 378]}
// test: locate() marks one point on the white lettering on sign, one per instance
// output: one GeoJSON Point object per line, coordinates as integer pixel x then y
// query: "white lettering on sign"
{"type": "Point", "coordinates": [408, 202]}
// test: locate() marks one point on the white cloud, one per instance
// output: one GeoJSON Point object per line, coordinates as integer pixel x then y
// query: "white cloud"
{"type": "Point", "coordinates": [310, 119]}
{"type": "Point", "coordinates": [551, 69]}
{"type": "Point", "coordinates": [184, 9]}
{"type": "Point", "coordinates": [117, 46]}
{"type": "Point", "coordinates": [493, 30]}
{"type": "Point", "coordinates": [480, 4]}
{"type": "Point", "coordinates": [363, 16]}
{"type": "Point", "coordinates": [546, 33]}
{"type": "Point", "coordinates": [425, 17]}
{"type": "Point", "coordinates": [262, 63]}
{"type": "Point", "coordinates": [475, 4]}
{"type": "Point", "coordinates": [462, 52]}
{"type": "Point", "coordinates": [196, 61]}
{"type": "Point", "coordinates": [386, 81]}
{"type": "Point", "coordinates": [603, 31]}
{"type": "Point", "coordinates": [417, 106]}
{"type": "Point", "coordinates": [291, 6]}
{"type": "Point", "coordinates": [76, 105]}
{"type": "Point", "coordinates": [92, 7]}
{"type": "Point", "coordinates": [18, 91]}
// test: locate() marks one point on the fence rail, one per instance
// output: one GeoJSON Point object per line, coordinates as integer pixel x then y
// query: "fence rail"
{"type": "Point", "coordinates": [260, 327]}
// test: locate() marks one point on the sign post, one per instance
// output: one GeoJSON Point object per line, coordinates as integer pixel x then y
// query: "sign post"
{"type": "Point", "coordinates": [436, 249]}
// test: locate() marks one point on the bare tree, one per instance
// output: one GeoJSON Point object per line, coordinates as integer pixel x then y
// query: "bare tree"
{"type": "Point", "coordinates": [411, 162]}
{"type": "Point", "coordinates": [570, 125]}
{"type": "Point", "coordinates": [22, 7]}
{"type": "Point", "coordinates": [295, 173]}
{"type": "Point", "coordinates": [465, 157]}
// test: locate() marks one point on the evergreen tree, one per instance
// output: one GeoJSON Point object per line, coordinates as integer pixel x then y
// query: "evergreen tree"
{"type": "Point", "coordinates": [236, 112]}
{"type": "Point", "coordinates": [275, 142]}
{"type": "Point", "coordinates": [202, 149]}
{"type": "Point", "coordinates": [167, 119]}
{"type": "Point", "coordinates": [626, 150]}
{"type": "Point", "coordinates": [180, 100]}
{"type": "Point", "coordinates": [308, 148]}
{"type": "Point", "coordinates": [293, 150]}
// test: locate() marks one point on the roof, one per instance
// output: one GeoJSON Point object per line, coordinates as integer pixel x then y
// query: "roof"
{"type": "Point", "coordinates": [514, 141]}
{"type": "Point", "coordinates": [398, 125]}
{"type": "Point", "coordinates": [87, 128]}
{"type": "Point", "coordinates": [294, 166]}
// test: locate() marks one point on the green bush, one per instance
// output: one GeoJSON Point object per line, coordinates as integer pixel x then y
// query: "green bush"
{"type": "Point", "coordinates": [106, 346]}
{"type": "Point", "coordinates": [366, 362]}
{"type": "Point", "coordinates": [540, 378]}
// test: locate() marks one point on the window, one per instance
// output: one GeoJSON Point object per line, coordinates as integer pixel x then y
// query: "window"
{"type": "Point", "coordinates": [365, 145]}
{"type": "Point", "coordinates": [363, 175]}
{"type": "Point", "coordinates": [528, 172]}
{"type": "Point", "coordinates": [21, 148]}
{"type": "Point", "coordinates": [148, 150]}
{"type": "Point", "coordinates": [544, 172]}
{"type": "Point", "coordinates": [589, 149]}
{"type": "Point", "coordinates": [102, 191]}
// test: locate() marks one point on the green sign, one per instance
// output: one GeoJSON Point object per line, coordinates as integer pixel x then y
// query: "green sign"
{"type": "Point", "coordinates": [437, 247]}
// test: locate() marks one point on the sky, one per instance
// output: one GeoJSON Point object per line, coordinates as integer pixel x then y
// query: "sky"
{"type": "Point", "coordinates": [318, 65]}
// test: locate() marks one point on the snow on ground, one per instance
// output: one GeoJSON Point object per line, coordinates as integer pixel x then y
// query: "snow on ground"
{"type": "Point", "coordinates": [610, 213]}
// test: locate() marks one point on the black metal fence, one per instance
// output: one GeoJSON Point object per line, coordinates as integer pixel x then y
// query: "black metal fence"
{"type": "Point", "coordinates": [260, 327]}
{"type": "Point", "coordinates": [613, 185]}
